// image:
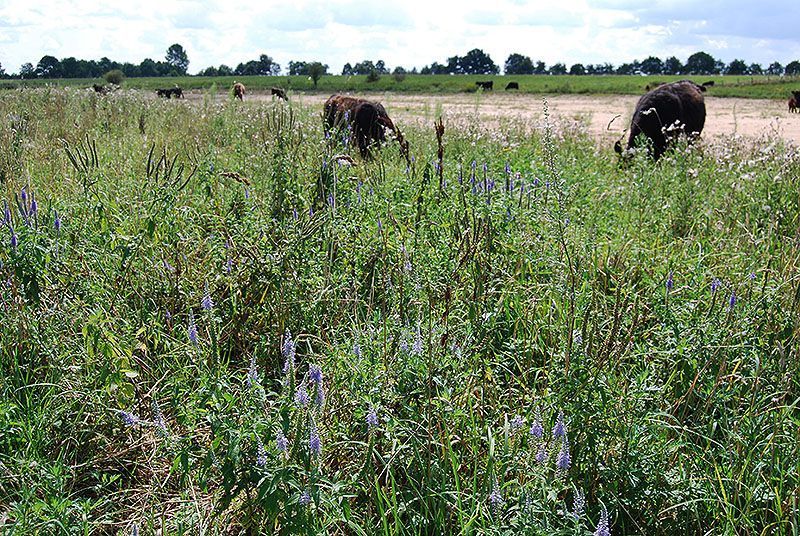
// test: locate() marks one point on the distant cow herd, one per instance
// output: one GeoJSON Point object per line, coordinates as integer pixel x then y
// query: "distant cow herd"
{"type": "Point", "coordinates": [665, 112]}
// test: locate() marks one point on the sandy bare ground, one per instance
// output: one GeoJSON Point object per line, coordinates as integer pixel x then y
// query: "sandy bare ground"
{"type": "Point", "coordinates": [748, 117]}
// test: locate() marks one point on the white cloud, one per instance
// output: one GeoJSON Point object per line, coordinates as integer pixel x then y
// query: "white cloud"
{"type": "Point", "coordinates": [408, 33]}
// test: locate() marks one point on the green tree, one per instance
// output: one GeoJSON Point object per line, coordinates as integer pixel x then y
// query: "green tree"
{"type": "Point", "coordinates": [298, 68]}
{"type": "Point", "coordinates": [736, 67]}
{"type": "Point", "coordinates": [70, 68]}
{"type": "Point", "coordinates": [476, 61]}
{"type": "Point", "coordinates": [26, 70]}
{"type": "Point", "coordinates": [316, 70]}
{"type": "Point", "coordinates": [558, 68]}
{"type": "Point", "coordinates": [700, 63]}
{"type": "Point", "coordinates": [347, 70]}
{"type": "Point", "coordinates": [775, 69]}
{"type": "Point", "coordinates": [792, 68]}
{"type": "Point", "coordinates": [518, 64]}
{"type": "Point", "coordinates": [540, 68]}
{"type": "Point", "coordinates": [148, 68]}
{"type": "Point", "coordinates": [48, 67]}
{"type": "Point", "coordinates": [267, 66]}
{"type": "Point", "coordinates": [363, 67]}
{"type": "Point", "coordinates": [652, 65]}
{"type": "Point", "coordinates": [177, 58]}
{"type": "Point", "coordinates": [605, 68]}
{"type": "Point", "coordinates": [380, 66]}
{"type": "Point", "coordinates": [577, 69]}
{"type": "Point", "coordinates": [224, 70]}
{"type": "Point", "coordinates": [755, 69]}
{"type": "Point", "coordinates": [628, 68]}
{"type": "Point", "coordinates": [2, 71]}
{"type": "Point", "coordinates": [673, 65]}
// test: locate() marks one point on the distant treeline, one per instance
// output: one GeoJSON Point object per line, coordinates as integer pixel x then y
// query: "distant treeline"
{"type": "Point", "coordinates": [475, 61]}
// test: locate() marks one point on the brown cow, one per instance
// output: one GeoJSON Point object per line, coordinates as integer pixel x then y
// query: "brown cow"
{"type": "Point", "coordinates": [794, 102]}
{"type": "Point", "coordinates": [665, 112]}
{"type": "Point", "coordinates": [367, 121]}
{"type": "Point", "coordinates": [238, 90]}
{"type": "Point", "coordinates": [280, 93]}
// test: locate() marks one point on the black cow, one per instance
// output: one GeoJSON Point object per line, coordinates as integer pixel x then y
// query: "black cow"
{"type": "Point", "coordinates": [665, 112]}
{"type": "Point", "coordinates": [280, 93]}
{"type": "Point", "coordinates": [486, 86]}
{"type": "Point", "coordinates": [512, 85]}
{"type": "Point", "coordinates": [170, 92]}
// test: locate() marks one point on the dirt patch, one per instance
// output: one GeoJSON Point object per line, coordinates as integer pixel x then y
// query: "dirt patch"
{"type": "Point", "coordinates": [728, 116]}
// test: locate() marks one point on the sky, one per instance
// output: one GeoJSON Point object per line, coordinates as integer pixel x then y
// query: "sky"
{"type": "Point", "coordinates": [409, 33]}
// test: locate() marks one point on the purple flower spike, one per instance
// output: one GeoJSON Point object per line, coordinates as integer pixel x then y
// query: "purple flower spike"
{"type": "Point", "coordinates": [261, 457]}
{"type": "Point", "coordinates": [537, 430]}
{"type": "Point", "coordinates": [372, 417]}
{"type": "Point", "coordinates": [559, 429]}
{"type": "Point", "coordinates": [288, 350]}
{"type": "Point", "coordinates": [541, 454]}
{"type": "Point", "coordinates": [516, 423]}
{"type": "Point", "coordinates": [281, 443]}
{"type": "Point", "coordinates": [602, 527]}
{"type": "Point", "coordinates": [130, 419]}
{"type": "Point", "coordinates": [715, 285]}
{"type": "Point", "coordinates": [563, 460]}
{"type": "Point", "coordinates": [314, 442]}
{"type": "Point", "coordinates": [192, 330]}
{"type": "Point", "coordinates": [315, 373]}
{"type": "Point", "coordinates": [207, 303]}
{"type": "Point", "coordinates": [496, 497]}
{"type": "Point", "coordinates": [301, 398]}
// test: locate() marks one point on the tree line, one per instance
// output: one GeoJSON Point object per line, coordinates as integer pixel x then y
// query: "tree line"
{"type": "Point", "coordinates": [476, 61]}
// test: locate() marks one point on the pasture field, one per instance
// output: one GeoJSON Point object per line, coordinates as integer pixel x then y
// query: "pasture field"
{"type": "Point", "coordinates": [212, 323]}
{"type": "Point", "coordinates": [762, 87]}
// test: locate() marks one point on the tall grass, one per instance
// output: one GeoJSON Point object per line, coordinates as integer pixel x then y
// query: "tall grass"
{"type": "Point", "coordinates": [537, 326]}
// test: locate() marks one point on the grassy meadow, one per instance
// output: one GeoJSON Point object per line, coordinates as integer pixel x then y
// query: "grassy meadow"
{"type": "Point", "coordinates": [212, 323]}
{"type": "Point", "coordinates": [763, 87]}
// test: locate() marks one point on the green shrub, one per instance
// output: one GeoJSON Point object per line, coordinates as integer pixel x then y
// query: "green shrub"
{"type": "Point", "coordinates": [114, 77]}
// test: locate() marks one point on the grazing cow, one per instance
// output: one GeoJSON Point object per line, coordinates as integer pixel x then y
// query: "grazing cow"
{"type": "Point", "coordinates": [101, 90]}
{"type": "Point", "coordinates": [486, 86]}
{"type": "Point", "coordinates": [794, 102]}
{"type": "Point", "coordinates": [366, 120]}
{"type": "Point", "coordinates": [170, 92]}
{"type": "Point", "coordinates": [665, 112]}
{"type": "Point", "coordinates": [238, 90]}
{"type": "Point", "coordinates": [512, 85]}
{"type": "Point", "coordinates": [280, 93]}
